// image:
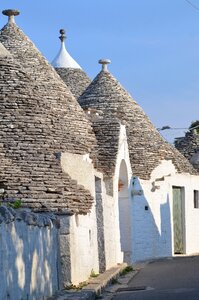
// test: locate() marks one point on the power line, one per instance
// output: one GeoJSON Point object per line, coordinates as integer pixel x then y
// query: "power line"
{"type": "Point", "coordinates": [193, 5]}
{"type": "Point", "coordinates": [171, 128]}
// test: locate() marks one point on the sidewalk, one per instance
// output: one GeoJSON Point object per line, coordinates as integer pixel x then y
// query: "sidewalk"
{"type": "Point", "coordinates": [96, 286]}
{"type": "Point", "coordinates": [119, 284]}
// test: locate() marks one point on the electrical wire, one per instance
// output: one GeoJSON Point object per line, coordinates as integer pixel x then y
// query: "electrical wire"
{"type": "Point", "coordinates": [193, 5]}
{"type": "Point", "coordinates": [170, 128]}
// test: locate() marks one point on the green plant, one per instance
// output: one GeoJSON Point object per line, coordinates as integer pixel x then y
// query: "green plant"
{"type": "Point", "coordinates": [114, 281]}
{"type": "Point", "coordinates": [82, 284]}
{"type": "Point", "coordinates": [9, 201]}
{"type": "Point", "coordinates": [17, 204]}
{"type": "Point", "coordinates": [70, 287]}
{"type": "Point", "coordinates": [76, 287]}
{"type": "Point", "coordinates": [93, 274]}
{"type": "Point", "coordinates": [126, 270]}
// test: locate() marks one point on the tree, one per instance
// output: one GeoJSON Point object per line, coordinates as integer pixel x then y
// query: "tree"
{"type": "Point", "coordinates": [195, 125]}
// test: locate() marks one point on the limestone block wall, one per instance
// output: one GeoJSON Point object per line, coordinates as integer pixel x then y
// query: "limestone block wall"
{"type": "Point", "coordinates": [28, 255]}
{"type": "Point", "coordinates": [152, 213]}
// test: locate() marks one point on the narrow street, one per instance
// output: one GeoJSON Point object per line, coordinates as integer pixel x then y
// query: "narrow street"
{"type": "Point", "coordinates": [165, 279]}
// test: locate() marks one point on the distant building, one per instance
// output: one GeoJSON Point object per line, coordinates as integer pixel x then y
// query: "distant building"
{"type": "Point", "coordinates": [98, 184]}
{"type": "Point", "coordinates": [189, 147]}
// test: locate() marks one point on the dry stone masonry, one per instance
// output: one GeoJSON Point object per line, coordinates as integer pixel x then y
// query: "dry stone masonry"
{"type": "Point", "coordinates": [75, 79]}
{"type": "Point", "coordinates": [39, 119]}
{"type": "Point", "coordinates": [8, 215]}
{"type": "Point", "coordinates": [74, 171]}
{"type": "Point", "coordinates": [189, 147]}
{"type": "Point", "coordinates": [107, 132]}
{"type": "Point", "coordinates": [146, 147]}
{"type": "Point", "coordinates": [67, 115]}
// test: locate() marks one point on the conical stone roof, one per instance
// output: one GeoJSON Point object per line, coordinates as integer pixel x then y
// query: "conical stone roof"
{"type": "Point", "coordinates": [75, 79]}
{"type": "Point", "coordinates": [30, 164]}
{"type": "Point", "coordinates": [146, 146]}
{"type": "Point", "coordinates": [68, 69]}
{"type": "Point", "coordinates": [189, 147]}
{"type": "Point", "coordinates": [107, 131]}
{"type": "Point", "coordinates": [75, 133]}
{"type": "Point", "coordinates": [4, 52]}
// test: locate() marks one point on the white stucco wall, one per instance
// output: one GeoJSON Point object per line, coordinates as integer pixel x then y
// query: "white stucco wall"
{"type": "Point", "coordinates": [28, 261]}
{"type": "Point", "coordinates": [80, 168]}
{"type": "Point", "coordinates": [191, 214]}
{"type": "Point", "coordinates": [112, 238]}
{"type": "Point", "coordinates": [82, 234]}
{"type": "Point", "coordinates": [138, 220]}
{"type": "Point", "coordinates": [82, 230]}
{"type": "Point", "coordinates": [152, 229]}
{"type": "Point", "coordinates": [114, 251]}
{"type": "Point", "coordinates": [84, 248]}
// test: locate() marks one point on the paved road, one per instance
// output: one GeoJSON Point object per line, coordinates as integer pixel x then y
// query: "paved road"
{"type": "Point", "coordinates": [166, 279]}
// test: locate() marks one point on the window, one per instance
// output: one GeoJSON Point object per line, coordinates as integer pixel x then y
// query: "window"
{"type": "Point", "coordinates": [196, 198]}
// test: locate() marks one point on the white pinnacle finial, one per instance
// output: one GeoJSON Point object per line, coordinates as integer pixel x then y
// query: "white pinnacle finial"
{"type": "Point", "coordinates": [63, 59]}
{"type": "Point", "coordinates": [104, 63]}
{"type": "Point", "coordinates": [11, 13]}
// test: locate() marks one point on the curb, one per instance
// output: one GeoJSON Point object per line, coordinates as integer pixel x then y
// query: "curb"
{"type": "Point", "coordinates": [122, 283]}
{"type": "Point", "coordinates": [94, 288]}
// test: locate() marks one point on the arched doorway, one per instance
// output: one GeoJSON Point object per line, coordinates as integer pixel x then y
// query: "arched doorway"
{"type": "Point", "coordinates": [124, 212]}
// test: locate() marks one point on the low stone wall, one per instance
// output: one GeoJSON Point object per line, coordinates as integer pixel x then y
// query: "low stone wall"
{"type": "Point", "coordinates": [28, 255]}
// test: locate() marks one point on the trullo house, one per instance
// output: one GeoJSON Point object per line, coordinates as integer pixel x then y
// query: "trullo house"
{"type": "Point", "coordinates": [96, 183]}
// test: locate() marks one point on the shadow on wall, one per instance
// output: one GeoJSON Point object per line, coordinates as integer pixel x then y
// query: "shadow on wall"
{"type": "Point", "coordinates": [28, 261]}
{"type": "Point", "coordinates": [149, 241]}
{"type": "Point", "coordinates": [124, 213]}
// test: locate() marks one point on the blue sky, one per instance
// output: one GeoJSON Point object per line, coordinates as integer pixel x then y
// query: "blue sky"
{"type": "Point", "coordinates": [153, 46]}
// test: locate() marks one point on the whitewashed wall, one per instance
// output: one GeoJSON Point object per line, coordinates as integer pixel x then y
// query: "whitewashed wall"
{"type": "Point", "coordinates": [112, 217]}
{"type": "Point", "coordinates": [112, 238]}
{"type": "Point", "coordinates": [28, 261]}
{"type": "Point", "coordinates": [191, 214]}
{"type": "Point", "coordinates": [152, 218]}
{"type": "Point", "coordinates": [84, 247]}
{"type": "Point", "coordinates": [78, 240]}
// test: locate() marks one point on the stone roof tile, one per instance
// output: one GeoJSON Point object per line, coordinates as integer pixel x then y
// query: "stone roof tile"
{"type": "Point", "coordinates": [30, 169]}
{"type": "Point", "coordinates": [189, 147]}
{"type": "Point", "coordinates": [75, 79]}
{"type": "Point", "coordinates": [39, 119]}
{"type": "Point", "coordinates": [146, 146]}
{"type": "Point", "coordinates": [71, 127]}
{"type": "Point", "coordinates": [107, 132]}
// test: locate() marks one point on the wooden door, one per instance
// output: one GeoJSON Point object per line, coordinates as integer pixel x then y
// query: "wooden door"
{"type": "Point", "coordinates": [178, 220]}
